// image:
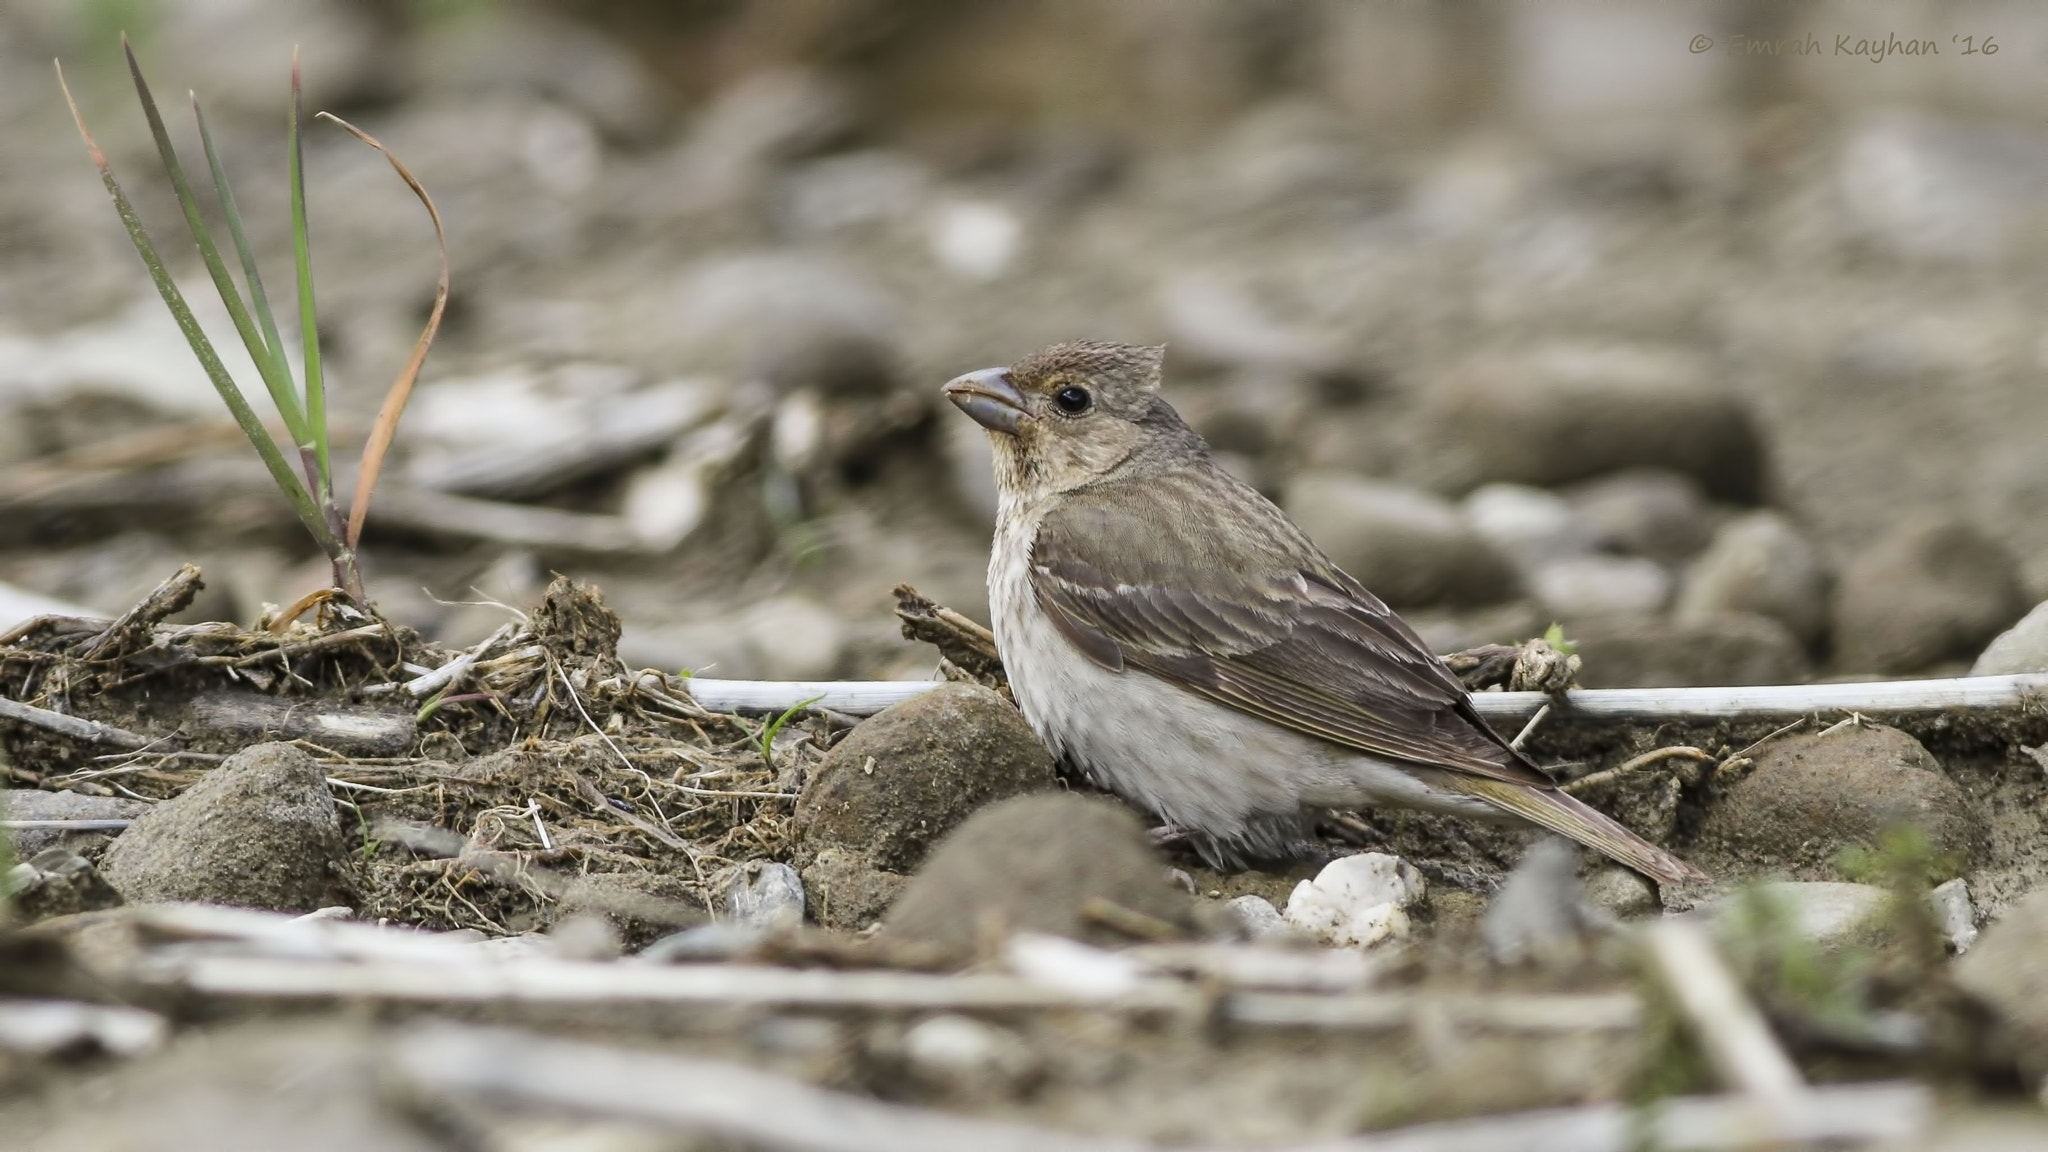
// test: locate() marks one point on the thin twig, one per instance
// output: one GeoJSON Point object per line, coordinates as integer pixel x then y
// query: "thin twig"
{"type": "Point", "coordinates": [685, 788]}
{"type": "Point", "coordinates": [1597, 779]}
{"type": "Point", "coordinates": [448, 674]}
{"type": "Point", "coordinates": [71, 726]}
{"type": "Point", "coordinates": [1744, 753]}
{"type": "Point", "coordinates": [172, 596]}
{"type": "Point", "coordinates": [547, 843]}
{"type": "Point", "coordinates": [596, 798]}
{"type": "Point", "coordinates": [288, 650]}
{"type": "Point", "coordinates": [1530, 727]}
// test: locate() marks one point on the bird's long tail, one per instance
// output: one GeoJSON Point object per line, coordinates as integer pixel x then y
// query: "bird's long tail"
{"type": "Point", "coordinates": [1569, 817]}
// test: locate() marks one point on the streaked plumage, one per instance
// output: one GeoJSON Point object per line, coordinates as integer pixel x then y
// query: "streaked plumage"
{"type": "Point", "coordinates": [1170, 632]}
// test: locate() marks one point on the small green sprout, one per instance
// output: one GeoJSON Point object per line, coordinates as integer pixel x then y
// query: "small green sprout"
{"type": "Point", "coordinates": [768, 731]}
{"type": "Point", "coordinates": [1554, 636]}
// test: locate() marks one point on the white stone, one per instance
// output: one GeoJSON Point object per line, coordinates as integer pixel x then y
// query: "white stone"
{"type": "Point", "coordinates": [667, 501]}
{"type": "Point", "coordinates": [1358, 901]}
{"type": "Point", "coordinates": [766, 894]}
{"type": "Point", "coordinates": [851, 191]}
{"type": "Point", "coordinates": [46, 1027]}
{"type": "Point", "coordinates": [1072, 965]}
{"type": "Point", "coordinates": [1612, 81]}
{"type": "Point", "coordinates": [1526, 523]}
{"type": "Point", "coordinates": [20, 604]}
{"type": "Point", "coordinates": [1954, 915]}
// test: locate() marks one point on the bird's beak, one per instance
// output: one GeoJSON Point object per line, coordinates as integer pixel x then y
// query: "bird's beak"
{"type": "Point", "coordinates": [990, 398]}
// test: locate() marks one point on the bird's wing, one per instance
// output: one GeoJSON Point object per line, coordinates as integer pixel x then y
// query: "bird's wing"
{"type": "Point", "coordinates": [1195, 578]}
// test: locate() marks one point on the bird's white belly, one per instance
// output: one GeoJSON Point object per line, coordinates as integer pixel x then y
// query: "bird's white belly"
{"type": "Point", "coordinates": [1197, 763]}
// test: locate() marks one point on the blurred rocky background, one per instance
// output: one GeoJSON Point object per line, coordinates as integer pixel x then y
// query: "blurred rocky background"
{"type": "Point", "coordinates": [1729, 359]}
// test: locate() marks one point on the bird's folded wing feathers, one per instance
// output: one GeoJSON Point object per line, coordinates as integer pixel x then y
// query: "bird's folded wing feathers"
{"type": "Point", "coordinates": [1194, 578]}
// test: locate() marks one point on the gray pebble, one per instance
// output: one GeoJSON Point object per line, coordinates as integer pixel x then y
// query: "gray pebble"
{"type": "Point", "coordinates": [1529, 525]}
{"type": "Point", "coordinates": [1559, 412]}
{"type": "Point", "coordinates": [1810, 796]}
{"type": "Point", "coordinates": [2020, 648]}
{"type": "Point", "coordinates": [908, 775]}
{"type": "Point", "coordinates": [1621, 893]}
{"type": "Point", "coordinates": [2003, 972]}
{"type": "Point", "coordinates": [1646, 512]}
{"type": "Point", "coordinates": [259, 831]}
{"type": "Point", "coordinates": [1934, 588]}
{"type": "Point", "coordinates": [1648, 652]}
{"type": "Point", "coordinates": [1539, 913]}
{"type": "Point", "coordinates": [1408, 546]}
{"type": "Point", "coordinates": [1256, 917]}
{"type": "Point", "coordinates": [1759, 563]}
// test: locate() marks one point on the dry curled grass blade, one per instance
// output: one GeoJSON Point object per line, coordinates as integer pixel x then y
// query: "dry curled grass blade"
{"type": "Point", "coordinates": [401, 389]}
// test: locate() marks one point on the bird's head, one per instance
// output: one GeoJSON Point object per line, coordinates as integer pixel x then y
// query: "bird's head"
{"type": "Point", "coordinates": [1072, 414]}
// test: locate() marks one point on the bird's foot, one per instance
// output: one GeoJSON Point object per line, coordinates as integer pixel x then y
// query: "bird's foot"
{"type": "Point", "coordinates": [1541, 667]}
{"type": "Point", "coordinates": [1537, 666]}
{"type": "Point", "coordinates": [1169, 834]}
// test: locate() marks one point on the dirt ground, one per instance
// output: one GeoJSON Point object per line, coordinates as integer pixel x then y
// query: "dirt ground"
{"type": "Point", "coordinates": [711, 268]}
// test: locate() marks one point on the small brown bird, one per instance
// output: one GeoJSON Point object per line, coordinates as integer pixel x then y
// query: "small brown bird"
{"type": "Point", "coordinates": [1171, 633]}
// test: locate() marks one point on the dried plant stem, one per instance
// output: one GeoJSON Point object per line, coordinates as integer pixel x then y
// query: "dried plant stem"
{"type": "Point", "coordinates": [1968, 693]}
{"type": "Point", "coordinates": [78, 729]}
{"type": "Point", "coordinates": [401, 389]}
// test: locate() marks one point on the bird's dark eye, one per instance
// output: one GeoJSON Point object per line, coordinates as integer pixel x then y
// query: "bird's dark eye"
{"type": "Point", "coordinates": [1073, 399]}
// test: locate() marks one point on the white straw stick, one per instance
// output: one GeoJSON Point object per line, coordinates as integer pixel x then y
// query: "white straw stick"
{"type": "Point", "coordinates": [866, 697]}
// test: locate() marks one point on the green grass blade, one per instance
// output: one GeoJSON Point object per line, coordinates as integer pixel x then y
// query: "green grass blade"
{"type": "Point", "coordinates": [275, 375]}
{"type": "Point", "coordinates": [770, 730]}
{"type": "Point", "coordinates": [223, 383]}
{"type": "Point", "coordinates": [309, 326]}
{"type": "Point", "coordinates": [251, 275]}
